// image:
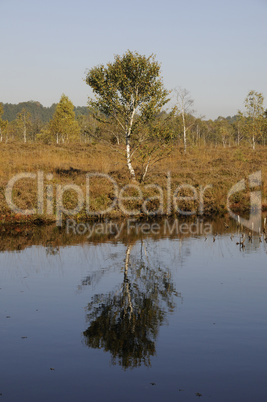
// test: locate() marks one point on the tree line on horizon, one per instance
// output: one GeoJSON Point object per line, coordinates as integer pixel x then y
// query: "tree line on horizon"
{"type": "Point", "coordinates": [38, 112]}
{"type": "Point", "coordinates": [226, 131]}
{"type": "Point", "coordinates": [128, 112]}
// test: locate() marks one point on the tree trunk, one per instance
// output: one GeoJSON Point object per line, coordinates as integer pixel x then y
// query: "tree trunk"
{"type": "Point", "coordinates": [25, 134]}
{"type": "Point", "coordinates": [128, 147]}
{"type": "Point", "coordinates": [126, 282]}
{"type": "Point", "coordinates": [184, 140]}
{"type": "Point", "coordinates": [128, 156]}
{"type": "Point", "coordinates": [184, 131]}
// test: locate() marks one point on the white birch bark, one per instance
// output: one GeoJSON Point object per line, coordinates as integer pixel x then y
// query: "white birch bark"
{"type": "Point", "coordinates": [24, 133]}
{"type": "Point", "coordinates": [126, 282]}
{"type": "Point", "coordinates": [184, 130]}
{"type": "Point", "coordinates": [128, 146]}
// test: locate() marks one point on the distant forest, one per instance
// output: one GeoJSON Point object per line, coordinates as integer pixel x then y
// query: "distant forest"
{"type": "Point", "coordinates": [37, 110]}
{"type": "Point", "coordinates": [129, 110]}
{"type": "Point", "coordinates": [64, 123]}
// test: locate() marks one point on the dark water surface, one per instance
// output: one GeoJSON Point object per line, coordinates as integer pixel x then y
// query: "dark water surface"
{"type": "Point", "coordinates": [137, 319]}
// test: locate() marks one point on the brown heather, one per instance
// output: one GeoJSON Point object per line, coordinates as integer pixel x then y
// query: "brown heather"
{"type": "Point", "coordinates": [219, 167]}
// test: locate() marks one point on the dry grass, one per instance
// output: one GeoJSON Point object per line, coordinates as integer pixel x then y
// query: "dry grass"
{"type": "Point", "coordinates": [220, 168]}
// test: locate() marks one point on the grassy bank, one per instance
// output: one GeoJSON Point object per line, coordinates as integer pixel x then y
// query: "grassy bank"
{"type": "Point", "coordinates": [219, 168]}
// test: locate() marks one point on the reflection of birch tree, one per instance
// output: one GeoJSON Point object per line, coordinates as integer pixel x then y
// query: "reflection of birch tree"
{"type": "Point", "coordinates": [126, 322]}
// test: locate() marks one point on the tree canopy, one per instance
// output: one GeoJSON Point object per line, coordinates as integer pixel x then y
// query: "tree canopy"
{"type": "Point", "coordinates": [255, 115]}
{"type": "Point", "coordinates": [131, 85]}
{"type": "Point", "coordinates": [63, 125]}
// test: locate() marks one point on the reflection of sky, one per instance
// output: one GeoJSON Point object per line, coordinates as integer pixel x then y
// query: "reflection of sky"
{"type": "Point", "coordinates": [218, 330]}
{"type": "Point", "coordinates": [103, 264]}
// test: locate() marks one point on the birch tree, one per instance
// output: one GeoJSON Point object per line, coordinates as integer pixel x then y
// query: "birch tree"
{"type": "Point", "coordinates": [24, 124]}
{"type": "Point", "coordinates": [240, 127]}
{"type": "Point", "coordinates": [63, 126]}
{"type": "Point", "coordinates": [184, 104]}
{"type": "Point", "coordinates": [254, 112]}
{"type": "Point", "coordinates": [130, 86]}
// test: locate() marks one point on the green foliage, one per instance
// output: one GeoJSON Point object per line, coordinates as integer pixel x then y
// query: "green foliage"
{"type": "Point", "coordinates": [81, 111]}
{"type": "Point", "coordinates": [128, 90]}
{"type": "Point", "coordinates": [254, 104]}
{"type": "Point", "coordinates": [24, 124]}
{"type": "Point", "coordinates": [255, 115]}
{"type": "Point", "coordinates": [127, 109]}
{"type": "Point", "coordinates": [37, 110]}
{"type": "Point", "coordinates": [132, 82]}
{"type": "Point", "coordinates": [63, 126]}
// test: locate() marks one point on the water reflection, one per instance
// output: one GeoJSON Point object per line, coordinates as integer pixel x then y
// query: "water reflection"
{"type": "Point", "coordinates": [126, 321]}
{"type": "Point", "coordinates": [52, 250]}
{"type": "Point", "coordinates": [131, 283]}
{"type": "Point", "coordinates": [18, 238]}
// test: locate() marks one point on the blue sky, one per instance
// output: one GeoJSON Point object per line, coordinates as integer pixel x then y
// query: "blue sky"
{"type": "Point", "coordinates": [215, 49]}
